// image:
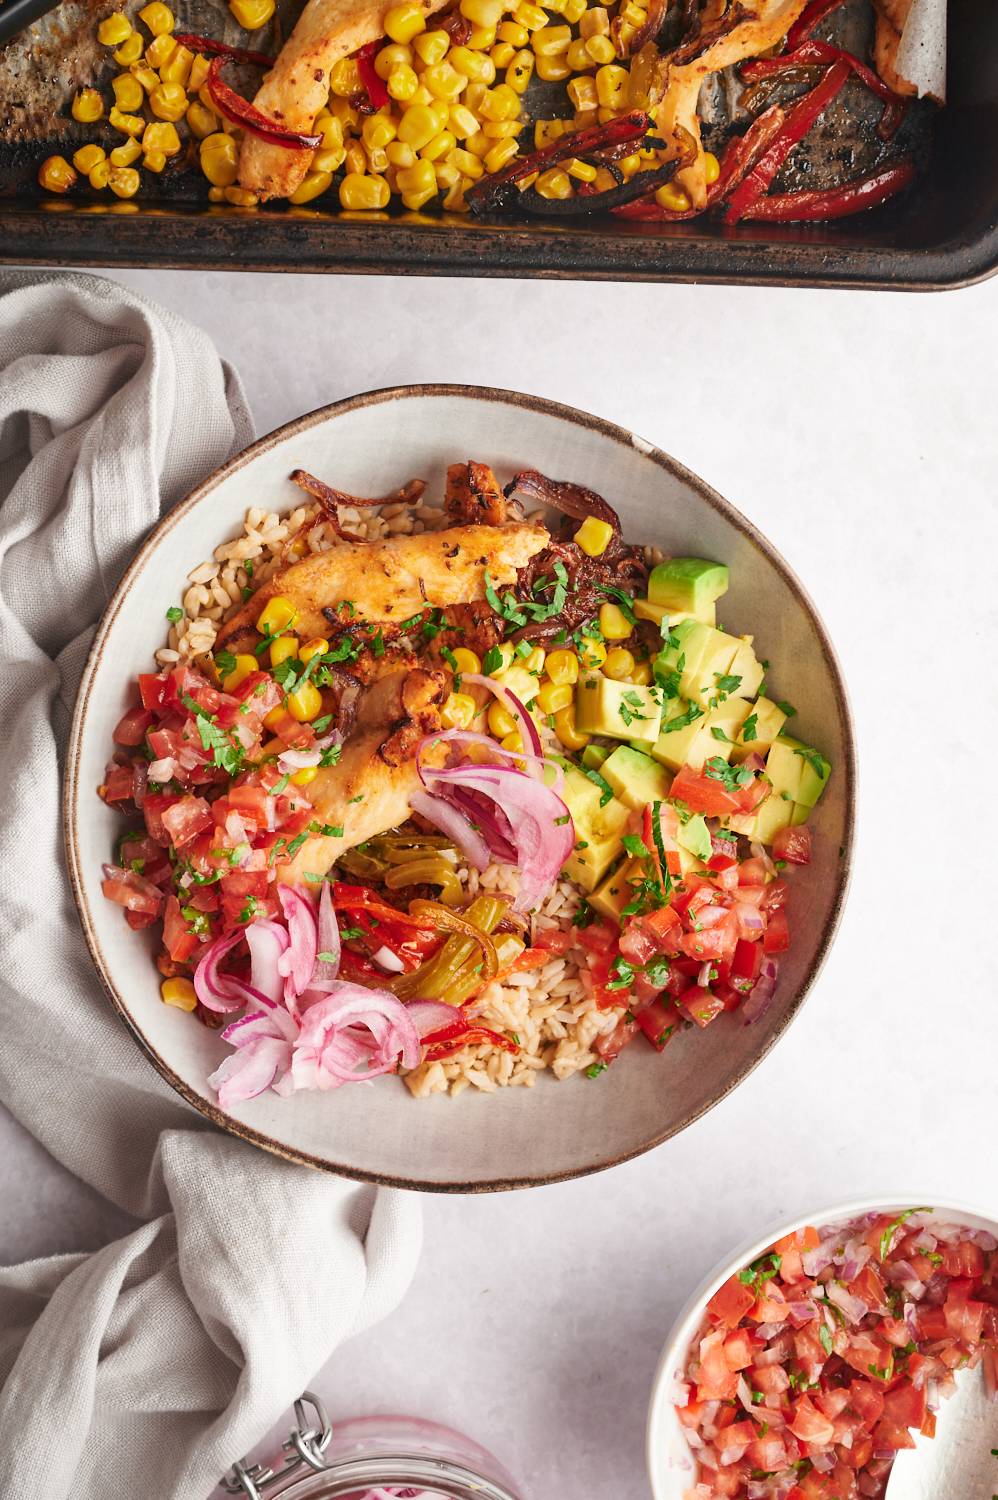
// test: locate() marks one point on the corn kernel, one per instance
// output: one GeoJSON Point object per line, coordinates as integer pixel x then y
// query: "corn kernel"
{"type": "Point", "coordinates": [316, 182]}
{"type": "Point", "coordinates": [277, 615]}
{"type": "Point", "coordinates": [168, 102]}
{"type": "Point", "coordinates": [501, 154]}
{"type": "Point", "coordinates": [345, 79]}
{"type": "Point", "coordinates": [244, 667]}
{"type": "Point", "coordinates": [604, 180]}
{"type": "Point", "coordinates": [502, 54]}
{"type": "Point", "coordinates": [513, 33]}
{"type": "Point", "coordinates": [147, 78]}
{"type": "Point", "coordinates": [124, 182]}
{"type": "Point", "coordinates": [619, 664]}
{"type": "Point", "coordinates": [564, 728]}
{"type": "Point", "coordinates": [454, 200]}
{"type": "Point", "coordinates": [520, 71]}
{"type": "Point", "coordinates": [198, 75]}
{"type": "Point", "coordinates": [99, 175]}
{"type": "Point", "coordinates": [56, 175]}
{"type": "Point", "coordinates": [305, 703]}
{"type": "Point", "coordinates": [533, 662]}
{"type": "Point", "coordinates": [305, 775]}
{"type": "Point", "coordinates": [329, 129]}
{"type": "Point", "coordinates": [613, 623]}
{"type": "Point", "coordinates": [114, 30]}
{"type": "Point", "coordinates": [440, 146]}
{"type": "Point", "coordinates": [418, 179]}
{"type": "Point", "coordinates": [551, 41]}
{"type": "Point", "coordinates": [177, 68]}
{"type": "Point", "coordinates": [500, 103]}
{"type": "Point", "coordinates": [458, 711]}
{"type": "Point", "coordinates": [500, 720]}
{"type": "Point", "coordinates": [87, 157]}
{"type": "Point", "coordinates": [512, 742]}
{"type": "Point", "coordinates": [127, 124]}
{"type": "Point", "coordinates": [553, 69]}
{"type": "Point", "coordinates": [481, 38]}
{"type": "Point", "coordinates": [554, 696]}
{"type": "Point", "coordinates": [130, 50]}
{"type": "Point", "coordinates": [124, 155]}
{"type": "Point", "coordinates": [444, 82]}
{"type": "Point", "coordinates": [402, 84]}
{"type": "Point", "coordinates": [467, 163]}
{"type": "Point", "coordinates": [88, 106]}
{"type": "Point", "coordinates": [403, 22]}
{"type": "Point", "coordinates": [530, 16]}
{"type": "Point", "coordinates": [241, 197]}
{"type": "Point", "coordinates": [546, 132]}
{"type": "Point", "coordinates": [343, 110]}
{"type": "Point", "coordinates": [578, 58]}
{"type": "Point", "coordinates": [582, 171]}
{"type": "Point", "coordinates": [499, 130]}
{"type": "Point", "coordinates": [377, 131]}
{"type": "Point", "coordinates": [446, 174]}
{"type": "Point", "coordinates": [611, 87]}
{"type": "Point", "coordinates": [672, 197]}
{"type": "Point", "coordinates": [474, 94]}
{"type": "Point", "coordinates": [400, 155]}
{"type": "Point", "coordinates": [594, 536]}
{"type": "Point", "coordinates": [252, 14]}
{"type": "Point", "coordinates": [642, 673]}
{"type": "Point", "coordinates": [432, 47]}
{"type": "Point", "coordinates": [179, 992]}
{"type": "Point", "coordinates": [601, 49]}
{"type": "Point", "coordinates": [595, 22]}
{"type": "Point", "coordinates": [161, 136]}
{"type": "Point", "coordinates": [364, 193]}
{"type": "Point", "coordinates": [200, 121]}
{"type": "Point", "coordinates": [711, 167]}
{"type": "Point", "coordinates": [283, 649]}
{"type": "Point", "coordinates": [216, 195]}
{"type": "Point", "coordinates": [573, 11]}
{"type": "Point", "coordinates": [219, 157]}
{"type": "Point", "coordinates": [461, 122]}
{"type": "Point", "coordinates": [394, 55]}
{"type": "Point", "coordinates": [157, 17]}
{"type": "Point", "coordinates": [160, 50]}
{"type": "Point", "coordinates": [356, 159]}
{"type": "Point", "coordinates": [475, 66]}
{"type": "Point", "coordinates": [466, 660]}
{"type": "Point", "coordinates": [592, 652]}
{"type": "Point", "coordinates": [482, 12]}
{"type": "Point", "coordinates": [417, 126]}
{"type": "Point", "coordinates": [634, 15]}
{"type": "Point", "coordinates": [562, 666]}
{"type": "Point", "coordinates": [554, 184]}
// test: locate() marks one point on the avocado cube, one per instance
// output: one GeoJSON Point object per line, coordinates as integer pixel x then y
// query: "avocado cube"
{"type": "Point", "coordinates": [683, 650]}
{"type": "Point", "coordinates": [619, 710]}
{"type": "Point", "coordinates": [675, 747]}
{"type": "Point", "coordinates": [764, 824]}
{"type": "Point", "coordinates": [598, 830]}
{"type": "Point", "coordinates": [694, 743]}
{"type": "Point", "coordinates": [687, 583]}
{"type": "Point", "coordinates": [693, 836]}
{"type": "Point", "coordinates": [610, 898]}
{"type": "Point", "coordinates": [636, 778]}
{"type": "Point", "coordinates": [728, 717]}
{"type": "Point", "coordinates": [797, 769]}
{"type": "Point", "coordinates": [799, 815]}
{"type": "Point", "coordinates": [747, 666]}
{"type": "Point", "coordinates": [593, 756]}
{"type": "Point", "coordinates": [765, 720]}
{"type": "Point", "coordinates": [706, 614]}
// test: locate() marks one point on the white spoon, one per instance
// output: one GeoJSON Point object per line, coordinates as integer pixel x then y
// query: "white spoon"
{"type": "Point", "coordinates": [961, 1460]}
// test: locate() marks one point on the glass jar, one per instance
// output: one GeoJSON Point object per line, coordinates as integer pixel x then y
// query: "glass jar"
{"type": "Point", "coordinates": [371, 1458]}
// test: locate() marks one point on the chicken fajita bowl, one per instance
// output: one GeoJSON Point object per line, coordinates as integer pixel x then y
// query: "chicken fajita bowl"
{"type": "Point", "coordinates": [500, 768]}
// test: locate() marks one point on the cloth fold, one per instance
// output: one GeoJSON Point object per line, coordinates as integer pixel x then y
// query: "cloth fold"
{"type": "Point", "coordinates": [163, 1357]}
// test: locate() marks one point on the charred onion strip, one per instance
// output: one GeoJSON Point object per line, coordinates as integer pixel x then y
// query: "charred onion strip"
{"type": "Point", "coordinates": [740, 156]}
{"type": "Point", "coordinates": [835, 203]}
{"type": "Point", "coordinates": [487, 191]}
{"type": "Point", "coordinates": [611, 199]}
{"type": "Point", "coordinates": [446, 920]}
{"type": "Point", "coordinates": [457, 27]}
{"type": "Point", "coordinates": [706, 36]}
{"type": "Point", "coordinates": [331, 499]}
{"type": "Point", "coordinates": [798, 122]}
{"type": "Point", "coordinates": [657, 11]}
{"type": "Point", "coordinates": [570, 499]}
{"type": "Point", "coordinates": [232, 105]}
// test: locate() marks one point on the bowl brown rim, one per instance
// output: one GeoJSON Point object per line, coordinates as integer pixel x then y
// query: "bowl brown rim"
{"type": "Point", "coordinates": [240, 460]}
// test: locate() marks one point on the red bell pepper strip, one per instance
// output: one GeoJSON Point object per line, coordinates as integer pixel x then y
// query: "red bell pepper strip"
{"type": "Point", "coordinates": [740, 156]}
{"type": "Point", "coordinates": [211, 48]}
{"type": "Point", "coordinates": [241, 112]}
{"type": "Point", "coordinates": [440, 1044]}
{"type": "Point", "coordinates": [374, 85]}
{"type": "Point", "coordinates": [359, 898]}
{"type": "Point", "coordinates": [809, 19]}
{"type": "Point", "coordinates": [810, 53]}
{"type": "Point", "coordinates": [837, 202]}
{"type": "Point", "coordinates": [798, 122]}
{"type": "Point", "coordinates": [629, 127]}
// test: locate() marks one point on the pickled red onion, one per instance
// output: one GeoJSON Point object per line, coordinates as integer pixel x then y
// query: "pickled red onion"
{"type": "Point", "coordinates": [529, 737]}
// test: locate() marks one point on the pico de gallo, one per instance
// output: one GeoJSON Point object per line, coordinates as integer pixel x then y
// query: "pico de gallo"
{"type": "Point", "coordinates": [816, 1364]}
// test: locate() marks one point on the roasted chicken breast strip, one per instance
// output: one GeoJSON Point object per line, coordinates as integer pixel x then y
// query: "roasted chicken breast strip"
{"type": "Point", "coordinates": [368, 789]}
{"type": "Point", "coordinates": [390, 581]}
{"type": "Point", "coordinates": [297, 86]}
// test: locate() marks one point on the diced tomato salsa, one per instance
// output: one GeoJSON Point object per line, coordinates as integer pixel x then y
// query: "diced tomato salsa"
{"type": "Point", "coordinates": [815, 1364]}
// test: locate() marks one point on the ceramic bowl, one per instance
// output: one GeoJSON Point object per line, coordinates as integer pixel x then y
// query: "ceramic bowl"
{"type": "Point", "coordinates": [370, 444]}
{"type": "Point", "coordinates": [671, 1466]}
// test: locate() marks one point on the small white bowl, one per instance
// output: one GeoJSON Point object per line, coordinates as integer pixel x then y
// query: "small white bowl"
{"type": "Point", "coordinates": [671, 1463]}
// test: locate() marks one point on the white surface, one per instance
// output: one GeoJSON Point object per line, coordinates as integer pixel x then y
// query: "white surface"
{"type": "Point", "coordinates": [858, 431]}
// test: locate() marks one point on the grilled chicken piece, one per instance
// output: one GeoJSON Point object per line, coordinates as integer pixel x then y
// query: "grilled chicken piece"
{"type": "Point", "coordinates": [764, 28]}
{"type": "Point", "coordinates": [368, 790]}
{"type": "Point", "coordinates": [297, 86]}
{"type": "Point", "coordinates": [390, 581]}
{"type": "Point", "coordinates": [473, 494]}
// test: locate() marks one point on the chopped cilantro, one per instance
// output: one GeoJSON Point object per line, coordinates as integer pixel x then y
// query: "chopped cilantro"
{"type": "Point", "coordinates": [584, 916]}
{"type": "Point", "coordinates": [684, 720]}
{"type": "Point", "coordinates": [327, 958]}
{"type": "Point", "coordinates": [331, 756]}
{"type": "Point", "coordinates": [597, 780]}
{"type": "Point", "coordinates": [657, 970]}
{"type": "Point", "coordinates": [319, 725]}
{"type": "Point", "coordinates": [174, 614]}
{"type": "Point", "coordinates": [761, 1270]}
{"type": "Point", "coordinates": [636, 846]}
{"type": "Point", "coordinates": [826, 1338]}
{"type": "Point", "coordinates": [249, 910]}
{"type": "Point", "coordinates": [359, 797]}
{"type": "Point", "coordinates": [726, 684]}
{"type": "Point", "coordinates": [719, 734]}
{"type": "Point", "coordinates": [492, 661]}
{"type": "Point", "coordinates": [280, 785]}
{"type": "Point", "coordinates": [225, 662]}
{"type": "Point", "coordinates": [595, 1069]}
{"type": "Point", "coordinates": [749, 728]}
{"type": "Point", "coordinates": [559, 822]}
{"type": "Point", "coordinates": [623, 600]}
{"type": "Point", "coordinates": [224, 750]}
{"type": "Point", "coordinates": [623, 974]}
{"type": "Point", "coordinates": [813, 759]}
{"type": "Point", "coordinates": [886, 1239]}
{"type": "Point", "coordinates": [786, 708]}
{"type": "Point", "coordinates": [349, 933]}
{"type": "Point", "coordinates": [717, 769]}
{"type": "Point", "coordinates": [198, 921]}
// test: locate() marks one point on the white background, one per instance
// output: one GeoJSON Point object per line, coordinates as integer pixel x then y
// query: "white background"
{"type": "Point", "coordinates": [860, 432]}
